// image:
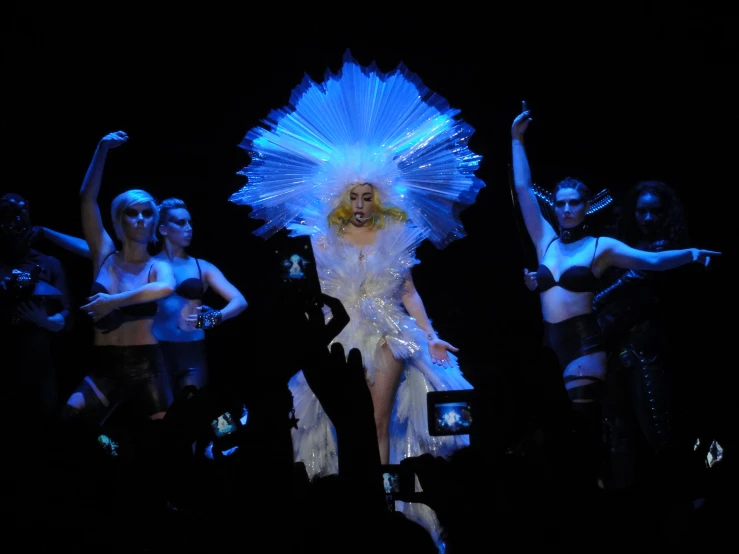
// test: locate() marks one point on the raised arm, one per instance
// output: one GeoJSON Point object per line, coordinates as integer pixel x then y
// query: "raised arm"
{"type": "Point", "coordinates": [223, 287]}
{"type": "Point", "coordinates": [75, 245]}
{"type": "Point", "coordinates": [95, 234]}
{"type": "Point", "coordinates": [614, 253]}
{"type": "Point", "coordinates": [540, 231]}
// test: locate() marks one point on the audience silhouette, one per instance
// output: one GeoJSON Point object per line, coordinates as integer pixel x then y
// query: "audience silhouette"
{"type": "Point", "coordinates": [134, 485]}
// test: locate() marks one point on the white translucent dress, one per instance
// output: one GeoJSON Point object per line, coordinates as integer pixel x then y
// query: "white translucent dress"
{"type": "Point", "coordinates": [370, 283]}
{"type": "Point", "coordinates": [388, 129]}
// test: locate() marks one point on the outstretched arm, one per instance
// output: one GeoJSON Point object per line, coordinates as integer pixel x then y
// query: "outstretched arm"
{"type": "Point", "coordinates": [540, 231]}
{"type": "Point", "coordinates": [95, 234]}
{"type": "Point", "coordinates": [75, 245]}
{"type": "Point", "coordinates": [615, 253]}
{"type": "Point", "coordinates": [415, 308]}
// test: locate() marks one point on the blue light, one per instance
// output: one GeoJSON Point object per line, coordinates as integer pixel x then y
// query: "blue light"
{"type": "Point", "coordinates": [108, 444]}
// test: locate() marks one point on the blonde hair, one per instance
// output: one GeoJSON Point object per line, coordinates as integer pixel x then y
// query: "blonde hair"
{"type": "Point", "coordinates": [126, 200]}
{"type": "Point", "coordinates": [341, 215]}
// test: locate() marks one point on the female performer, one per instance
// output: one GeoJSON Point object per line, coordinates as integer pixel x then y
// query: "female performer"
{"type": "Point", "coordinates": [571, 263]}
{"type": "Point", "coordinates": [181, 319]}
{"type": "Point", "coordinates": [127, 284]}
{"type": "Point", "coordinates": [369, 165]}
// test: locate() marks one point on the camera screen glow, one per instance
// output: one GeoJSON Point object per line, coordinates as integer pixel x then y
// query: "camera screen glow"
{"type": "Point", "coordinates": [108, 445]}
{"type": "Point", "coordinates": [295, 266]}
{"type": "Point", "coordinates": [391, 483]}
{"type": "Point", "coordinates": [224, 425]}
{"type": "Point", "coordinates": [453, 417]}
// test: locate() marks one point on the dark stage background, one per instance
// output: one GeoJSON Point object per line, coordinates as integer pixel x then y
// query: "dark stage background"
{"type": "Point", "coordinates": [618, 96]}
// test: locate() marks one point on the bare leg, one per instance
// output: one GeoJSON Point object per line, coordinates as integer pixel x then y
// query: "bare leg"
{"type": "Point", "coordinates": [384, 389]}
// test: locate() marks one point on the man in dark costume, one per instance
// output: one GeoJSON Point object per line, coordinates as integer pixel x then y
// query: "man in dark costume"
{"type": "Point", "coordinates": [34, 305]}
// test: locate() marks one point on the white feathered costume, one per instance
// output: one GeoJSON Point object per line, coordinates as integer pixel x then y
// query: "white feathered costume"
{"type": "Point", "coordinates": [391, 131]}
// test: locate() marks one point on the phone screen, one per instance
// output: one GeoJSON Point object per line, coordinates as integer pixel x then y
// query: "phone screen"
{"type": "Point", "coordinates": [398, 482]}
{"type": "Point", "coordinates": [450, 412]}
{"type": "Point", "coordinates": [391, 479]}
{"type": "Point", "coordinates": [224, 425]}
{"type": "Point", "coordinates": [294, 268]}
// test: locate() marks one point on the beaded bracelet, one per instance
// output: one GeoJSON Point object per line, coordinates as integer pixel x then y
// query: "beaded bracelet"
{"type": "Point", "coordinates": [209, 319]}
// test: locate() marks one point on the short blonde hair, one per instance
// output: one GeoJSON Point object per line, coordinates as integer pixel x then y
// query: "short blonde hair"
{"type": "Point", "coordinates": [126, 200]}
{"type": "Point", "coordinates": [341, 215]}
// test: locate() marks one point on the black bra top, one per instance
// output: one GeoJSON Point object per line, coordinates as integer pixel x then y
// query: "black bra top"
{"type": "Point", "coordinates": [577, 278]}
{"type": "Point", "coordinates": [135, 311]}
{"type": "Point", "coordinates": [192, 288]}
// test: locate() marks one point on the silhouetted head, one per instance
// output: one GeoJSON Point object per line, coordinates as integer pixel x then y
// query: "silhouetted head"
{"type": "Point", "coordinates": [15, 225]}
{"type": "Point", "coordinates": [653, 212]}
